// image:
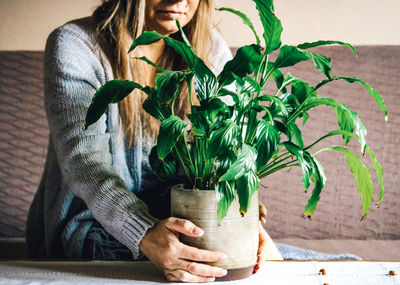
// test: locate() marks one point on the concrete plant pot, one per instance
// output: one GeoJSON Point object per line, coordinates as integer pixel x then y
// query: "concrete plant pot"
{"type": "Point", "coordinates": [236, 236]}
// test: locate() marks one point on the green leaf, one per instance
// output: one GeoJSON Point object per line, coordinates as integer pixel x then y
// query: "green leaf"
{"type": "Point", "coordinates": [111, 92]}
{"type": "Point", "coordinates": [278, 107]}
{"type": "Point", "coordinates": [222, 138]}
{"type": "Point", "coordinates": [163, 169]}
{"type": "Point", "coordinates": [199, 121]}
{"type": "Point", "coordinates": [216, 110]}
{"type": "Point", "coordinates": [347, 118]}
{"type": "Point", "coordinates": [243, 163]}
{"type": "Point", "coordinates": [146, 38]}
{"type": "Point", "coordinates": [251, 86]}
{"type": "Point", "coordinates": [319, 180]}
{"type": "Point", "coordinates": [332, 133]}
{"type": "Point", "coordinates": [266, 142]}
{"type": "Point", "coordinates": [375, 94]}
{"type": "Point", "coordinates": [276, 75]}
{"type": "Point", "coordinates": [205, 80]}
{"type": "Point", "coordinates": [152, 106]}
{"type": "Point", "coordinates": [145, 59]}
{"type": "Point", "coordinates": [302, 90]}
{"type": "Point", "coordinates": [246, 185]}
{"type": "Point", "coordinates": [167, 84]}
{"type": "Point", "coordinates": [225, 193]}
{"type": "Point", "coordinates": [323, 43]}
{"type": "Point", "coordinates": [272, 25]}
{"type": "Point", "coordinates": [379, 172]}
{"type": "Point", "coordinates": [170, 131]}
{"type": "Point", "coordinates": [245, 62]}
{"type": "Point", "coordinates": [361, 175]}
{"type": "Point", "coordinates": [245, 20]}
{"type": "Point", "coordinates": [306, 167]}
{"type": "Point", "coordinates": [291, 55]}
{"type": "Point", "coordinates": [294, 129]}
{"type": "Point", "coordinates": [224, 162]}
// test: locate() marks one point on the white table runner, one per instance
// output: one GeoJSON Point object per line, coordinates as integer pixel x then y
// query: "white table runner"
{"type": "Point", "coordinates": [273, 272]}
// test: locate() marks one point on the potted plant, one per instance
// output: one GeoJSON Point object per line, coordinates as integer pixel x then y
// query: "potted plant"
{"type": "Point", "coordinates": [239, 135]}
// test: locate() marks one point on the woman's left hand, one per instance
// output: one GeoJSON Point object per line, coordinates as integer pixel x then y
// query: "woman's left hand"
{"type": "Point", "coordinates": [266, 248]}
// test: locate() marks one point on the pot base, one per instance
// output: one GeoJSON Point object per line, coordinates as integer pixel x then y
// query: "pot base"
{"type": "Point", "coordinates": [236, 274]}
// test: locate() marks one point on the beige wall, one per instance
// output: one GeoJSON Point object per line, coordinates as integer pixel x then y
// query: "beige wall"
{"type": "Point", "coordinates": [25, 24]}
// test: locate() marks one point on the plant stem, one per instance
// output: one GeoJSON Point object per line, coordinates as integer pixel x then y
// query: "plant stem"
{"type": "Point", "coordinates": [189, 84]}
{"type": "Point", "coordinates": [183, 165]}
{"type": "Point", "coordinates": [275, 162]}
{"type": "Point", "coordinates": [282, 166]}
{"type": "Point", "coordinates": [188, 153]}
{"type": "Point", "coordinates": [296, 113]}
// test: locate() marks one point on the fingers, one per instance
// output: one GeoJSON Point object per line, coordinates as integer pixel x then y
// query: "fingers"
{"type": "Point", "coordinates": [195, 254]}
{"type": "Point", "coordinates": [262, 247]}
{"type": "Point", "coordinates": [183, 226]}
{"type": "Point", "coordinates": [182, 275]}
{"type": "Point", "coordinates": [263, 213]}
{"type": "Point", "coordinates": [201, 269]}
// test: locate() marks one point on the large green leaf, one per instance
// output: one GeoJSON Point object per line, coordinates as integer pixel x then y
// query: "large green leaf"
{"type": "Point", "coordinates": [170, 131]}
{"type": "Point", "coordinates": [163, 169]}
{"type": "Point", "coordinates": [272, 25]}
{"type": "Point", "coordinates": [323, 43]}
{"type": "Point", "coordinates": [291, 55]}
{"type": "Point", "coordinates": [295, 131]}
{"type": "Point", "coordinates": [302, 90]}
{"type": "Point", "coordinates": [111, 92]}
{"type": "Point", "coordinates": [152, 106]}
{"type": "Point", "coordinates": [319, 180]}
{"type": "Point", "coordinates": [200, 125]}
{"type": "Point", "coordinates": [224, 162]}
{"type": "Point", "coordinates": [347, 118]}
{"type": "Point", "coordinates": [222, 138]}
{"type": "Point", "coordinates": [216, 110]}
{"type": "Point", "coordinates": [266, 142]}
{"type": "Point", "coordinates": [167, 84]}
{"type": "Point", "coordinates": [278, 107]}
{"type": "Point", "coordinates": [379, 173]}
{"type": "Point", "coordinates": [246, 20]}
{"type": "Point", "coordinates": [306, 167]}
{"type": "Point", "coordinates": [361, 175]}
{"type": "Point", "coordinates": [246, 185]}
{"type": "Point", "coordinates": [225, 193]}
{"type": "Point", "coordinates": [245, 62]}
{"type": "Point", "coordinates": [146, 38]}
{"type": "Point", "coordinates": [244, 162]}
{"type": "Point", "coordinates": [375, 94]}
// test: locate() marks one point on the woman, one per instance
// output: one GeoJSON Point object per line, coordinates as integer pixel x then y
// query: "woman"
{"type": "Point", "coordinates": [90, 200]}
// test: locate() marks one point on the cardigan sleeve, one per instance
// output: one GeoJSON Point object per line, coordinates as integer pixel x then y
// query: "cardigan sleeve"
{"type": "Point", "coordinates": [73, 73]}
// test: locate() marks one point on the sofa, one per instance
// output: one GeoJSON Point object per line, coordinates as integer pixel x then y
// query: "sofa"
{"type": "Point", "coordinates": [335, 227]}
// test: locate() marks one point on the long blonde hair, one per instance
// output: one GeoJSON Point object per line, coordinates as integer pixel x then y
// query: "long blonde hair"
{"type": "Point", "coordinates": [120, 21]}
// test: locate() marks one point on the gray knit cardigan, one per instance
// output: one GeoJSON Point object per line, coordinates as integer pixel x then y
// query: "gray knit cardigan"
{"type": "Point", "coordinates": [89, 175]}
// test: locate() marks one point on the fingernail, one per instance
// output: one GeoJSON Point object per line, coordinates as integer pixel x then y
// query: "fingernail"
{"type": "Point", "coordinates": [223, 272]}
{"type": "Point", "coordinates": [211, 279]}
{"type": "Point", "coordinates": [256, 268]}
{"type": "Point", "coordinates": [260, 253]}
{"type": "Point", "coordinates": [263, 220]}
{"type": "Point", "coordinates": [197, 231]}
{"type": "Point", "coordinates": [224, 256]}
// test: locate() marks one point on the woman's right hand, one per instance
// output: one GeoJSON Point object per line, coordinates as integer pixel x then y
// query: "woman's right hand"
{"type": "Point", "coordinates": [178, 261]}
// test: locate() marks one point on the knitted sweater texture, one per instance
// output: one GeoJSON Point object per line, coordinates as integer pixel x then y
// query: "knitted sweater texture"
{"type": "Point", "coordinates": [94, 174]}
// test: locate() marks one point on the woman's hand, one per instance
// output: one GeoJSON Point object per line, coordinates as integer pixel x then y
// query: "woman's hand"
{"type": "Point", "coordinates": [266, 249]}
{"type": "Point", "coordinates": [178, 261]}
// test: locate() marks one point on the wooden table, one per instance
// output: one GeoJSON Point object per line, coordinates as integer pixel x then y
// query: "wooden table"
{"type": "Point", "coordinates": [273, 272]}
